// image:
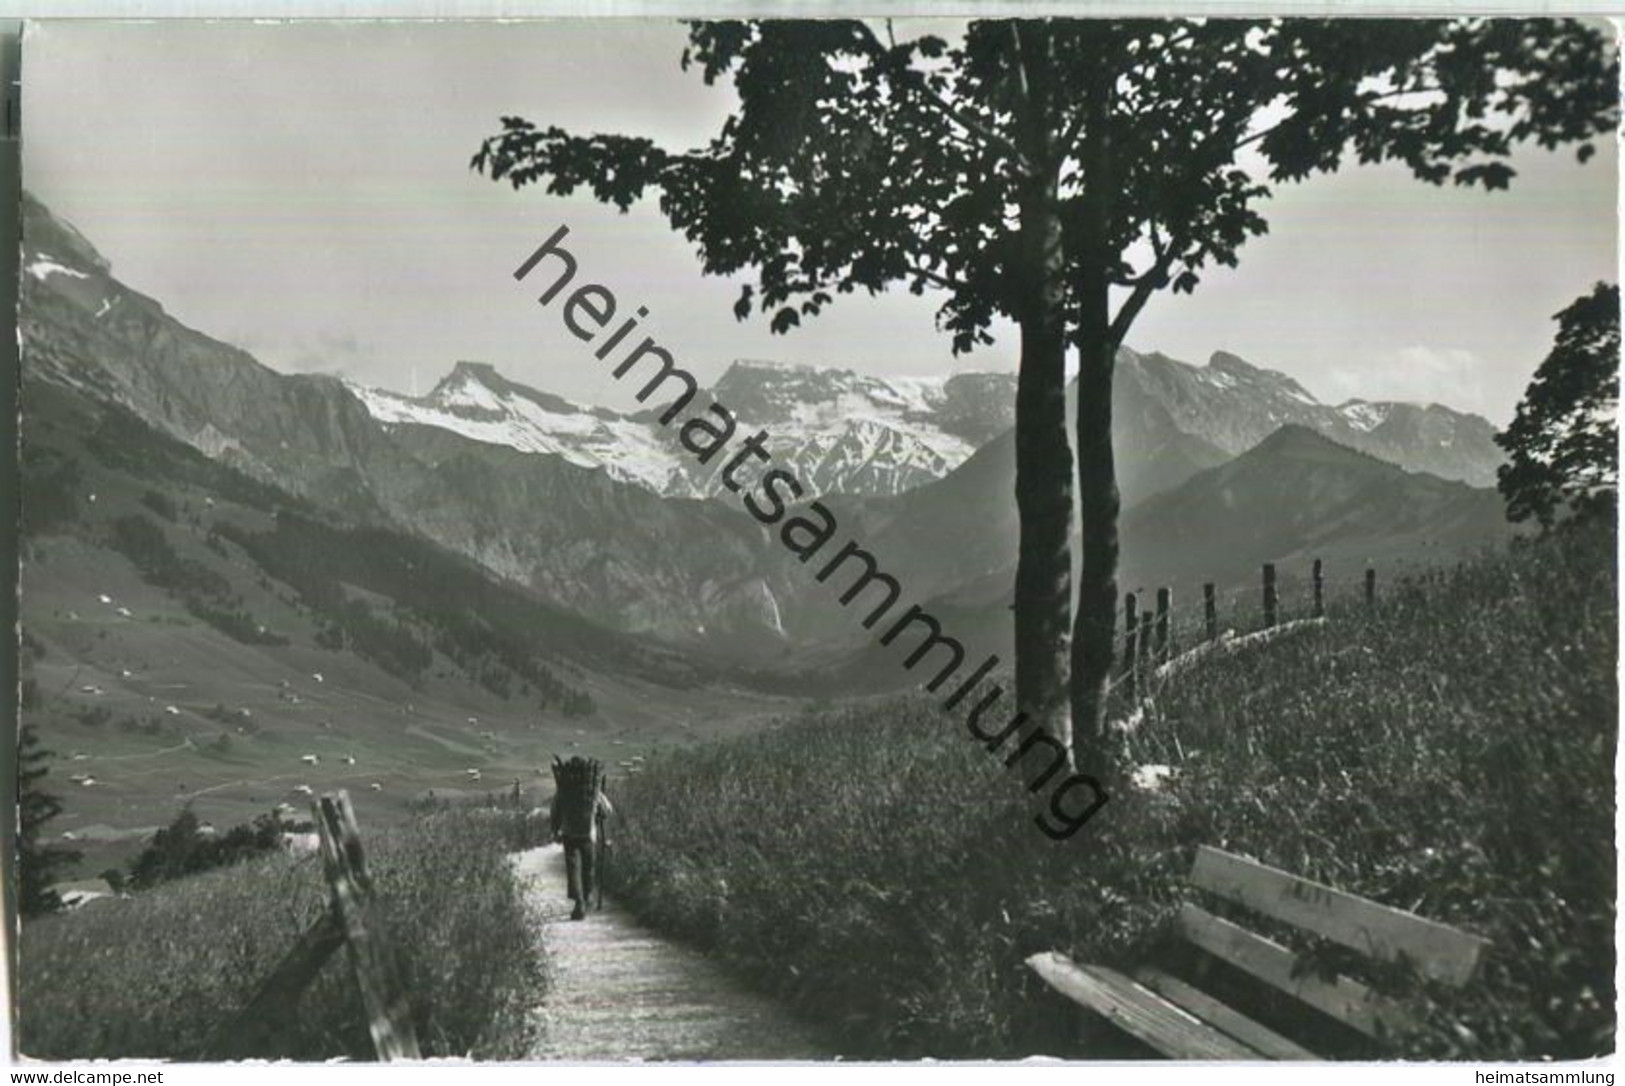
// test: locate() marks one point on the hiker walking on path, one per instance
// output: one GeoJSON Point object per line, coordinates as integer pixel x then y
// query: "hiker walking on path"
{"type": "Point", "coordinates": [577, 816]}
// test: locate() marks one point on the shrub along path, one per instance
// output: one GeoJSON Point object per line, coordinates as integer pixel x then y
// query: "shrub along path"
{"type": "Point", "coordinates": [620, 992]}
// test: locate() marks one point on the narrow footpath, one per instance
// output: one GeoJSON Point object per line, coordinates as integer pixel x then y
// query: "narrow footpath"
{"type": "Point", "coordinates": [621, 992]}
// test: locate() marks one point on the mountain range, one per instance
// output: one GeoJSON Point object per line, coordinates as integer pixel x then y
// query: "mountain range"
{"type": "Point", "coordinates": [850, 433]}
{"type": "Point", "coordinates": [1234, 405]}
{"type": "Point", "coordinates": [595, 512]}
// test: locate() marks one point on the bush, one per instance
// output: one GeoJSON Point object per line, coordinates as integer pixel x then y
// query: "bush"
{"type": "Point", "coordinates": [181, 849]}
{"type": "Point", "coordinates": [36, 860]}
{"type": "Point", "coordinates": [156, 975]}
{"type": "Point", "coordinates": [1450, 753]}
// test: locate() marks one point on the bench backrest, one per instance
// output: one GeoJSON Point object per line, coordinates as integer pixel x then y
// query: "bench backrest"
{"type": "Point", "coordinates": [1437, 951]}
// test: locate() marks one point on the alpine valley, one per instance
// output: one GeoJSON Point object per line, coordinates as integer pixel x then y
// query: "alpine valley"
{"type": "Point", "coordinates": [225, 565]}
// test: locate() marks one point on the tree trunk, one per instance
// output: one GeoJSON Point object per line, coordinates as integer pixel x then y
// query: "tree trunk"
{"type": "Point", "coordinates": [1044, 502]}
{"type": "Point", "coordinates": [1095, 621]}
{"type": "Point", "coordinates": [1043, 595]}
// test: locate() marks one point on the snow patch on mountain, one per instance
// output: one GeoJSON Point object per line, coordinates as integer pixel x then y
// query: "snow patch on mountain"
{"type": "Point", "coordinates": [626, 449]}
{"type": "Point", "coordinates": [46, 266]}
{"type": "Point", "coordinates": [1363, 416]}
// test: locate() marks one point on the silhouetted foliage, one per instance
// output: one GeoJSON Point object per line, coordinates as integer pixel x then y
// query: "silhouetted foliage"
{"type": "Point", "coordinates": [182, 848]}
{"type": "Point", "coordinates": [37, 862]}
{"type": "Point", "coordinates": [1563, 442]}
{"type": "Point", "coordinates": [1059, 173]}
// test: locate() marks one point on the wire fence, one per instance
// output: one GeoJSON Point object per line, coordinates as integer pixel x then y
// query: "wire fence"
{"type": "Point", "coordinates": [1156, 627]}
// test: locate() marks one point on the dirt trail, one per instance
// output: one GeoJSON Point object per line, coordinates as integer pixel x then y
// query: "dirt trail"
{"type": "Point", "coordinates": [621, 992]}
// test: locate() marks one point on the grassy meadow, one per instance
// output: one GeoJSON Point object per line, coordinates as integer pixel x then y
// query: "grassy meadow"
{"type": "Point", "coordinates": [1449, 752]}
{"type": "Point", "coordinates": [157, 974]}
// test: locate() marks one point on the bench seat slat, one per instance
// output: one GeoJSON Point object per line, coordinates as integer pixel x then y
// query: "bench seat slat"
{"type": "Point", "coordinates": [1348, 1001]}
{"type": "Point", "coordinates": [1138, 1010]}
{"type": "Point", "coordinates": [1264, 1040]}
{"type": "Point", "coordinates": [1438, 951]}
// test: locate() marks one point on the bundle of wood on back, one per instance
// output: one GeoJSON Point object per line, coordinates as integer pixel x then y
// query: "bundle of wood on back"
{"type": "Point", "coordinates": [577, 782]}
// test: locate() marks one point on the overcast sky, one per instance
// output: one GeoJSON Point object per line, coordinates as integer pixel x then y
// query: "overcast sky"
{"type": "Point", "coordinates": [303, 191]}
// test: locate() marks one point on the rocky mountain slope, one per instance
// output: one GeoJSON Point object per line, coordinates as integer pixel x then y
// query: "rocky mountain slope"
{"type": "Point", "coordinates": [607, 550]}
{"type": "Point", "coordinates": [1297, 496]}
{"type": "Point", "coordinates": [1234, 405]}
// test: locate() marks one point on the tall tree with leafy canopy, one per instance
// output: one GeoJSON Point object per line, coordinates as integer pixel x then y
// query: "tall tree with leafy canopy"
{"type": "Point", "coordinates": [37, 862]}
{"type": "Point", "coordinates": [1563, 442]}
{"type": "Point", "coordinates": [1059, 173]}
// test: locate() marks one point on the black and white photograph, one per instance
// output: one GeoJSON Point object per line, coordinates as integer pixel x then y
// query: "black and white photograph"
{"type": "Point", "coordinates": [605, 540]}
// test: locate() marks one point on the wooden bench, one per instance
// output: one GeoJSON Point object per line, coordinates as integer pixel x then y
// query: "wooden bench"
{"type": "Point", "coordinates": [1184, 1022]}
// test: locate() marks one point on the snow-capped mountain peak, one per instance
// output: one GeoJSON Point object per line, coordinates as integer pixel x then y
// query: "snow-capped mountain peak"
{"type": "Point", "coordinates": [477, 402]}
{"type": "Point", "coordinates": [836, 429]}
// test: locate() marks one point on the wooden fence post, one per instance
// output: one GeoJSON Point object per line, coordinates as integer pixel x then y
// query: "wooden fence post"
{"type": "Point", "coordinates": [1210, 608]}
{"type": "Point", "coordinates": [376, 971]}
{"type": "Point", "coordinates": [1270, 598]}
{"type": "Point", "coordinates": [1131, 618]}
{"type": "Point", "coordinates": [1146, 618]}
{"type": "Point", "coordinates": [1370, 587]}
{"type": "Point", "coordinates": [1165, 601]}
{"type": "Point", "coordinates": [1320, 597]}
{"type": "Point", "coordinates": [1131, 648]}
